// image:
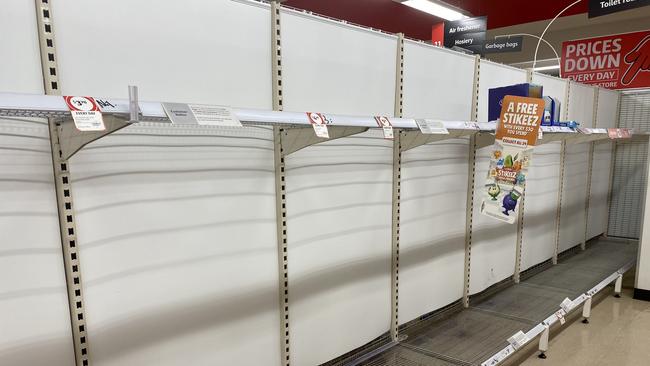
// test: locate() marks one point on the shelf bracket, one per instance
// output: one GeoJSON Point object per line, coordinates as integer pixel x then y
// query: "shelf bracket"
{"type": "Point", "coordinates": [294, 139]}
{"type": "Point", "coordinates": [484, 139]}
{"type": "Point", "coordinates": [413, 138]}
{"type": "Point", "coordinates": [72, 140]}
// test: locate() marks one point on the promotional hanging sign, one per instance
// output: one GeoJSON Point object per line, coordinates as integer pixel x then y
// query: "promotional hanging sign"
{"type": "Point", "coordinates": [619, 61]}
{"type": "Point", "coordinates": [201, 114]}
{"type": "Point", "coordinates": [516, 135]}
{"type": "Point", "coordinates": [319, 121]}
{"type": "Point", "coordinates": [385, 125]}
{"type": "Point", "coordinates": [603, 7]}
{"type": "Point", "coordinates": [85, 113]}
{"type": "Point", "coordinates": [619, 133]}
{"type": "Point", "coordinates": [504, 44]}
{"type": "Point", "coordinates": [468, 33]}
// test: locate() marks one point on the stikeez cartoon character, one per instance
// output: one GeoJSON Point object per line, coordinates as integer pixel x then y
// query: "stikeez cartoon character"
{"type": "Point", "coordinates": [500, 163]}
{"type": "Point", "coordinates": [521, 178]}
{"type": "Point", "coordinates": [494, 190]}
{"type": "Point", "coordinates": [510, 202]}
{"type": "Point", "coordinates": [508, 163]}
{"type": "Point", "coordinates": [497, 154]}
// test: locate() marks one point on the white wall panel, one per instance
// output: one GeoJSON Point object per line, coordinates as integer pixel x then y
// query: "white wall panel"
{"type": "Point", "coordinates": [494, 75]}
{"type": "Point", "coordinates": [493, 242]}
{"type": "Point", "coordinates": [20, 67]}
{"type": "Point", "coordinates": [438, 83]}
{"type": "Point", "coordinates": [176, 230]}
{"type": "Point", "coordinates": [34, 316]}
{"type": "Point", "coordinates": [339, 239]}
{"type": "Point", "coordinates": [432, 227]}
{"type": "Point", "coordinates": [333, 67]}
{"type": "Point", "coordinates": [606, 117]}
{"type": "Point", "coordinates": [540, 207]}
{"type": "Point", "coordinates": [215, 52]}
{"type": "Point", "coordinates": [576, 167]}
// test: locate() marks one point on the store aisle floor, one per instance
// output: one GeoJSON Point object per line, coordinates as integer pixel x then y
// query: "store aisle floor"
{"type": "Point", "coordinates": [618, 334]}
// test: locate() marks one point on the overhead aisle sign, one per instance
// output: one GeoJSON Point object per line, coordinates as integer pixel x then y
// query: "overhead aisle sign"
{"type": "Point", "coordinates": [603, 7]}
{"type": "Point", "coordinates": [516, 136]}
{"type": "Point", "coordinates": [619, 61]}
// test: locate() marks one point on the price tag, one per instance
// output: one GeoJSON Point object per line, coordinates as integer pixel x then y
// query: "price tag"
{"type": "Point", "coordinates": [386, 125]}
{"type": "Point", "coordinates": [560, 315]}
{"type": "Point", "coordinates": [518, 339]}
{"type": "Point", "coordinates": [428, 126]}
{"type": "Point", "coordinates": [619, 133]}
{"type": "Point", "coordinates": [586, 131]}
{"type": "Point", "coordinates": [567, 305]}
{"type": "Point", "coordinates": [201, 114]}
{"type": "Point", "coordinates": [319, 122]}
{"type": "Point", "coordinates": [85, 113]}
{"type": "Point", "coordinates": [540, 134]}
{"type": "Point", "coordinates": [472, 126]}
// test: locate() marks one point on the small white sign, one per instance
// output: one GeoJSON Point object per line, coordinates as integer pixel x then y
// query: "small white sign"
{"type": "Point", "coordinates": [85, 113]}
{"type": "Point", "coordinates": [319, 122]}
{"type": "Point", "coordinates": [567, 305]}
{"type": "Point", "coordinates": [472, 126]}
{"type": "Point", "coordinates": [540, 134]}
{"type": "Point", "coordinates": [560, 315]}
{"type": "Point", "coordinates": [428, 126]}
{"type": "Point", "coordinates": [518, 339]}
{"type": "Point", "coordinates": [214, 115]}
{"type": "Point", "coordinates": [385, 125]}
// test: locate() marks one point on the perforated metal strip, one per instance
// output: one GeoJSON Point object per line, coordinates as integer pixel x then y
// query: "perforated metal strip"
{"type": "Point", "coordinates": [558, 215]}
{"type": "Point", "coordinates": [471, 173]}
{"type": "Point", "coordinates": [280, 188]}
{"type": "Point", "coordinates": [590, 169]}
{"type": "Point", "coordinates": [397, 184]}
{"type": "Point", "coordinates": [63, 190]}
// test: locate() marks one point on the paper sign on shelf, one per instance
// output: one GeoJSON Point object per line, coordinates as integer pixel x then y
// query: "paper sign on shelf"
{"type": "Point", "coordinates": [201, 114]}
{"type": "Point", "coordinates": [619, 133]}
{"type": "Point", "coordinates": [560, 315]}
{"type": "Point", "coordinates": [586, 131]}
{"type": "Point", "coordinates": [518, 339]}
{"type": "Point", "coordinates": [319, 122]}
{"type": "Point", "coordinates": [567, 305]}
{"type": "Point", "coordinates": [516, 135]}
{"type": "Point", "coordinates": [85, 113]}
{"type": "Point", "coordinates": [429, 127]}
{"type": "Point", "coordinates": [386, 125]}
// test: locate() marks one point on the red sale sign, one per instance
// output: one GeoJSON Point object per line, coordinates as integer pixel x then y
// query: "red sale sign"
{"type": "Point", "coordinates": [619, 61]}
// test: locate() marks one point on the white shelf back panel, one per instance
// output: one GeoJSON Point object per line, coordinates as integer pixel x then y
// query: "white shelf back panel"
{"type": "Point", "coordinates": [494, 75]}
{"type": "Point", "coordinates": [572, 219]}
{"type": "Point", "coordinates": [493, 242]}
{"type": "Point", "coordinates": [176, 231]}
{"type": "Point", "coordinates": [34, 316]}
{"type": "Point", "coordinates": [540, 205]}
{"type": "Point", "coordinates": [599, 194]}
{"type": "Point", "coordinates": [576, 168]}
{"type": "Point", "coordinates": [20, 70]}
{"type": "Point", "coordinates": [606, 117]}
{"type": "Point", "coordinates": [192, 51]}
{"type": "Point", "coordinates": [339, 237]}
{"type": "Point", "coordinates": [432, 227]}
{"type": "Point", "coordinates": [438, 83]}
{"type": "Point", "coordinates": [333, 67]}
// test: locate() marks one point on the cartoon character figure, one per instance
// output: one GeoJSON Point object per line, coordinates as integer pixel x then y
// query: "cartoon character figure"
{"type": "Point", "coordinates": [526, 161]}
{"type": "Point", "coordinates": [508, 162]}
{"type": "Point", "coordinates": [521, 178]}
{"type": "Point", "coordinates": [497, 154]}
{"type": "Point", "coordinates": [500, 163]}
{"type": "Point", "coordinates": [494, 190]}
{"type": "Point", "coordinates": [510, 202]}
{"type": "Point", "coordinates": [493, 173]}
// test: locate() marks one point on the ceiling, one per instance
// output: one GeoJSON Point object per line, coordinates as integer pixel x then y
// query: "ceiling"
{"type": "Point", "coordinates": [393, 17]}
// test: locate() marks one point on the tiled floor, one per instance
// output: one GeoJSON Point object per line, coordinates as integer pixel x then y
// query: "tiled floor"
{"type": "Point", "coordinates": [618, 334]}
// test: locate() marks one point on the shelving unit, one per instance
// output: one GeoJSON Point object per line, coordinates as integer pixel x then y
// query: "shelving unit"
{"type": "Point", "coordinates": [213, 242]}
